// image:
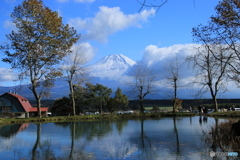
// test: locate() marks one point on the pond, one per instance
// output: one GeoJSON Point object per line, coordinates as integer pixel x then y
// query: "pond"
{"type": "Point", "coordinates": [150, 139]}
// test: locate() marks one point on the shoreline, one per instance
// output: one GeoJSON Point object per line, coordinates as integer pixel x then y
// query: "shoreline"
{"type": "Point", "coordinates": [9, 121]}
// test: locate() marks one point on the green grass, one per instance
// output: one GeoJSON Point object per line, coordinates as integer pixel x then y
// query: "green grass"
{"type": "Point", "coordinates": [225, 114]}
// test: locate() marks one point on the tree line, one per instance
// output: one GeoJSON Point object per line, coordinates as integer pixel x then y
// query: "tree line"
{"type": "Point", "coordinates": [95, 98]}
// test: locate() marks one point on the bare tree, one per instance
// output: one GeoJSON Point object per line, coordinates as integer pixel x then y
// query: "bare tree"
{"type": "Point", "coordinates": [76, 72]}
{"type": "Point", "coordinates": [154, 3]}
{"type": "Point", "coordinates": [223, 29]}
{"type": "Point", "coordinates": [142, 82]}
{"type": "Point", "coordinates": [172, 75]}
{"type": "Point", "coordinates": [211, 74]}
{"type": "Point", "coordinates": [151, 3]}
{"type": "Point", "coordinates": [220, 40]}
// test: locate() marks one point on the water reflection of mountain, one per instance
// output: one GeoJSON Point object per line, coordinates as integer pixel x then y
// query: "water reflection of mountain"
{"type": "Point", "coordinates": [11, 130]}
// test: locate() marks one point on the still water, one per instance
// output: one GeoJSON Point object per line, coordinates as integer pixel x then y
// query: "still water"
{"type": "Point", "coordinates": [165, 138]}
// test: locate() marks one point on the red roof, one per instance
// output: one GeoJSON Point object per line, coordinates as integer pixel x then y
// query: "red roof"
{"type": "Point", "coordinates": [26, 105]}
{"type": "Point", "coordinates": [42, 109]}
{"type": "Point", "coordinates": [23, 126]}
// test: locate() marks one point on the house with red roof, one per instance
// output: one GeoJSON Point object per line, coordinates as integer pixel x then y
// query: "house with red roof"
{"type": "Point", "coordinates": [13, 105]}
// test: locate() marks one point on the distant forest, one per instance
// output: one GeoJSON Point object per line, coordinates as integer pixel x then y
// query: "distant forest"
{"type": "Point", "coordinates": [186, 103]}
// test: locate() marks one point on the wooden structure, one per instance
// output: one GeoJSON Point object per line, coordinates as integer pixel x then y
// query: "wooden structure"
{"type": "Point", "coordinates": [13, 105]}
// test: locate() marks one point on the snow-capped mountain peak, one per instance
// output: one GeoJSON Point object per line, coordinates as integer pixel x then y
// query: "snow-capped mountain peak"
{"type": "Point", "coordinates": [114, 62]}
{"type": "Point", "coordinates": [111, 66]}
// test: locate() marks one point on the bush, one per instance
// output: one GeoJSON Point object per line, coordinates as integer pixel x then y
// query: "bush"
{"type": "Point", "coordinates": [221, 137]}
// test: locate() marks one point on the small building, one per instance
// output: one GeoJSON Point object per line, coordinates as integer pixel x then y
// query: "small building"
{"type": "Point", "coordinates": [13, 105]}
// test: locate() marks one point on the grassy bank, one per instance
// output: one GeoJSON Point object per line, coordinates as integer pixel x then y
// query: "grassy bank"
{"type": "Point", "coordinates": [6, 121]}
{"type": "Point", "coordinates": [231, 114]}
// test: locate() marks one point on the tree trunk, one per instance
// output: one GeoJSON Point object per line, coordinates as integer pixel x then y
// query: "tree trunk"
{"type": "Point", "coordinates": [174, 104]}
{"type": "Point", "coordinates": [175, 95]}
{"type": "Point", "coordinates": [38, 99]}
{"type": "Point", "coordinates": [39, 107]}
{"type": "Point", "coordinates": [72, 98]}
{"type": "Point", "coordinates": [213, 94]}
{"type": "Point", "coordinates": [141, 105]}
{"type": "Point", "coordinates": [215, 103]}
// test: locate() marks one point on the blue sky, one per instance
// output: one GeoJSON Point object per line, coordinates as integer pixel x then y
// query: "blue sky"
{"type": "Point", "coordinates": [117, 26]}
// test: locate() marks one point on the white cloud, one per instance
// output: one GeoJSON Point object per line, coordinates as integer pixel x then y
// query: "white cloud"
{"type": "Point", "coordinates": [108, 21]}
{"type": "Point", "coordinates": [89, 51]}
{"type": "Point", "coordinates": [9, 25]}
{"type": "Point", "coordinates": [153, 54]}
{"type": "Point", "coordinates": [84, 52]}
{"type": "Point", "coordinates": [7, 74]}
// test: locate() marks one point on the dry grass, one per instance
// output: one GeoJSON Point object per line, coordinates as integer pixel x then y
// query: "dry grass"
{"type": "Point", "coordinates": [221, 137]}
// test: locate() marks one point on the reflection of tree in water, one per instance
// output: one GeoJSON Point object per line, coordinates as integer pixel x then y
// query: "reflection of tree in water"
{"type": "Point", "coordinates": [44, 149]}
{"type": "Point", "coordinates": [90, 130]}
{"type": "Point", "coordinates": [62, 124]}
{"type": "Point", "coordinates": [34, 150]}
{"type": "Point", "coordinates": [117, 147]}
{"type": "Point", "coordinates": [77, 151]}
{"type": "Point", "coordinates": [177, 137]}
{"type": "Point", "coordinates": [220, 137]}
{"type": "Point", "coordinates": [144, 144]}
{"type": "Point", "coordinates": [166, 141]}
{"type": "Point", "coordinates": [120, 124]}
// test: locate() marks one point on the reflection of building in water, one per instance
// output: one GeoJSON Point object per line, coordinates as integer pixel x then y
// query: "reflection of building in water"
{"type": "Point", "coordinates": [11, 130]}
{"type": "Point", "coordinates": [117, 149]}
{"type": "Point", "coordinates": [13, 105]}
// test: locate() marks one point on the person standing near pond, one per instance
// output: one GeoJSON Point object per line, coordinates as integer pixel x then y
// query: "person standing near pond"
{"type": "Point", "coordinates": [200, 109]}
{"type": "Point", "coordinates": [204, 110]}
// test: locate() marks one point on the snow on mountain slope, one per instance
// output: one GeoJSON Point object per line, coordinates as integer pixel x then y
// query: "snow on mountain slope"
{"type": "Point", "coordinates": [111, 66]}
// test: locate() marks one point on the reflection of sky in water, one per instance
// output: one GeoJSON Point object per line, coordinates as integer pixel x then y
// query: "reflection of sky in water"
{"type": "Point", "coordinates": [132, 139]}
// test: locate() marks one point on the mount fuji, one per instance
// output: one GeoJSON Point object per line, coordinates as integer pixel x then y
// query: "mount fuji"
{"type": "Point", "coordinates": [111, 66]}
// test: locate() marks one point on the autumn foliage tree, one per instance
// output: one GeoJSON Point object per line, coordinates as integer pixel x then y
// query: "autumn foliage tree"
{"type": "Point", "coordinates": [38, 44]}
{"type": "Point", "coordinates": [227, 31]}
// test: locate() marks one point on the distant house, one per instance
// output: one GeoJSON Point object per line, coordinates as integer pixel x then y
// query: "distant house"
{"type": "Point", "coordinates": [13, 105]}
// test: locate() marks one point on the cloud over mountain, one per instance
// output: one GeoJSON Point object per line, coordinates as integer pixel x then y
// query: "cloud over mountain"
{"type": "Point", "coordinates": [154, 54]}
